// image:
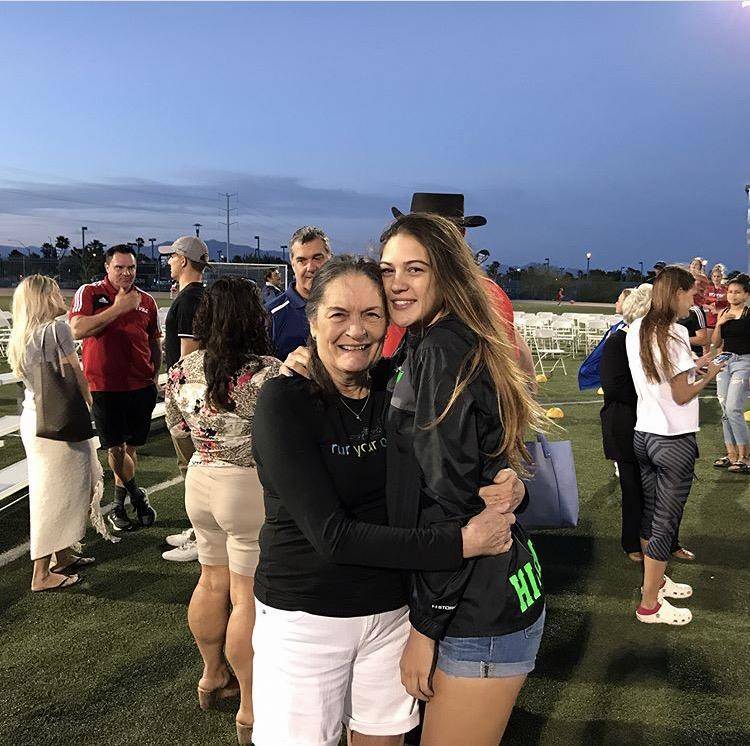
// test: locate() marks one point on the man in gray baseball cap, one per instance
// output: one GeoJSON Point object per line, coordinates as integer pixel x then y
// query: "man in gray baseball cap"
{"type": "Point", "coordinates": [188, 257]}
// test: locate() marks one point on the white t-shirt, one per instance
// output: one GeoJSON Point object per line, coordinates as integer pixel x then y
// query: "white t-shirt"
{"type": "Point", "coordinates": [657, 411]}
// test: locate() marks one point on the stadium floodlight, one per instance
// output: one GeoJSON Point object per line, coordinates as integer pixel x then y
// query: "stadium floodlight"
{"type": "Point", "coordinates": [588, 262]}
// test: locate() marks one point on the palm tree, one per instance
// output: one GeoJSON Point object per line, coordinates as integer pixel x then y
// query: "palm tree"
{"type": "Point", "coordinates": [92, 258]}
{"type": "Point", "coordinates": [62, 244]}
{"type": "Point", "coordinates": [140, 243]}
{"type": "Point", "coordinates": [48, 250]}
{"type": "Point", "coordinates": [493, 269]}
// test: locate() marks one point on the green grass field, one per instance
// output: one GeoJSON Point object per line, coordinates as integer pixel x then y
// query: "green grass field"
{"type": "Point", "coordinates": [111, 661]}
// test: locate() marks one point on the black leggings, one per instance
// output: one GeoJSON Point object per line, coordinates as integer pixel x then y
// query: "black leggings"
{"type": "Point", "coordinates": [667, 465]}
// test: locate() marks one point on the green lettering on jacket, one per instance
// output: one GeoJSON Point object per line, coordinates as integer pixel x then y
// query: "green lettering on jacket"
{"type": "Point", "coordinates": [527, 581]}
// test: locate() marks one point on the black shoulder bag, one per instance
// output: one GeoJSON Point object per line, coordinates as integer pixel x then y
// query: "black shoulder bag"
{"type": "Point", "coordinates": [61, 411]}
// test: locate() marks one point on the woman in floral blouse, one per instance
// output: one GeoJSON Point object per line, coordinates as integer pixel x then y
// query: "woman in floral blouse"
{"type": "Point", "coordinates": [210, 397]}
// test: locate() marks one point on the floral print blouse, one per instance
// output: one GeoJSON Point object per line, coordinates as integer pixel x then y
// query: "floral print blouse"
{"type": "Point", "coordinates": [220, 438]}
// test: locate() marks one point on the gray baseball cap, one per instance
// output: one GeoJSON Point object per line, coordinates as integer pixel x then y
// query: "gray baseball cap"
{"type": "Point", "coordinates": [191, 247]}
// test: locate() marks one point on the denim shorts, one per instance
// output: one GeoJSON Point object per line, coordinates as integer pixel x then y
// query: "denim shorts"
{"type": "Point", "coordinates": [492, 657]}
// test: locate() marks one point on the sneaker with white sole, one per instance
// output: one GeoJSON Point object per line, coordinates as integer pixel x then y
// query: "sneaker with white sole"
{"type": "Point", "coordinates": [177, 540]}
{"type": "Point", "coordinates": [667, 614]}
{"type": "Point", "coordinates": [187, 552]}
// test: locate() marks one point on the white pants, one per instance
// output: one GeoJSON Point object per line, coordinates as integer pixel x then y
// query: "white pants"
{"type": "Point", "coordinates": [312, 673]}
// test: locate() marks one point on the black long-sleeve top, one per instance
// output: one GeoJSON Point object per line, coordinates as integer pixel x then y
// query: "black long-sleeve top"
{"type": "Point", "coordinates": [618, 414]}
{"type": "Point", "coordinates": [435, 472]}
{"type": "Point", "coordinates": [325, 547]}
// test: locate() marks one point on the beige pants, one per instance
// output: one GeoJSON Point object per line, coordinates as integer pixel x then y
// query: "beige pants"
{"type": "Point", "coordinates": [184, 449]}
{"type": "Point", "coordinates": [225, 507]}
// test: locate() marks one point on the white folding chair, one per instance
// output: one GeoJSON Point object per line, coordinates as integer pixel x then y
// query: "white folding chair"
{"type": "Point", "coordinates": [565, 334]}
{"type": "Point", "coordinates": [546, 347]}
{"type": "Point", "coordinates": [5, 329]}
{"type": "Point", "coordinates": [595, 330]}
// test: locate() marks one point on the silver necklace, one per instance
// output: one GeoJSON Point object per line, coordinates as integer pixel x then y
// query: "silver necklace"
{"type": "Point", "coordinates": [358, 415]}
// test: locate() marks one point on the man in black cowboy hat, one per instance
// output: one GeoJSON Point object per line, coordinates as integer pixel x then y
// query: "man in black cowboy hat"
{"type": "Point", "coordinates": [451, 206]}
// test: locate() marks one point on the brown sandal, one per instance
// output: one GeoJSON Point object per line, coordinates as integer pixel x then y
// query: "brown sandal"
{"type": "Point", "coordinates": [684, 554]}
{"type": "Point", "coordinates": [209, 698]}
{"type": "Point", "coordinates": [67, 581]}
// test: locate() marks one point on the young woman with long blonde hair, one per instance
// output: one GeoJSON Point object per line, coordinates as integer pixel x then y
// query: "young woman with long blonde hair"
{"type": "Point", "coordinates": [64, 478]}
{"type": "Point", "coordinates": [665, 378]}
{"type": "Point", "coordinates": [460, 410]}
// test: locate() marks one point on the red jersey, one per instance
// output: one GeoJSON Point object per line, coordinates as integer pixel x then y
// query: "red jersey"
{"type": "Point", "coordinates": [714, 296]}
{"type": "Point", "coordinates": [118, 358]}
{"type": "Point", "coordinates": [500, 302]}
{"type": "Point", "coordinates": [701, 286]}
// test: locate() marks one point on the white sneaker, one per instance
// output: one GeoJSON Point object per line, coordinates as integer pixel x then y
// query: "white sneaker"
{"type": "Point", "coordinates": [177, 540]}
{"type": "Point", "coordinates": [188, 552]}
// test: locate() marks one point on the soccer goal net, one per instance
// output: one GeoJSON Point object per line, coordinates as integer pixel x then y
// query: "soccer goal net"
{"type": "Point", "coordinates": [255, 272]}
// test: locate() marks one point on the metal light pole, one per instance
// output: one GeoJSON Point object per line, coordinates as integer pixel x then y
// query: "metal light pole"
{"type": "Point", "coordinates": [546, 263]}
{"type": "Point", "coordinates": [257, 247]}
{"type": "Point", "coordinates": [153, 241]}
{"type": "Point", "coordinates": [197, 227]}
{"type": "Point", "coordinates": [283, 248]}
{"type": "Point", "coordinates": [588, 263]}
{"type": "Point", "coordinates": [641, 265]}
{"type": "Point", "coordinates": [83, 239]}
{"type": "Point", "coordinates": [622, 274]}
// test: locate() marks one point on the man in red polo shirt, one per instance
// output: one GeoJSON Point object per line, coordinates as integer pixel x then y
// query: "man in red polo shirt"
{"type": "Point", "coordinates": [119, 326]}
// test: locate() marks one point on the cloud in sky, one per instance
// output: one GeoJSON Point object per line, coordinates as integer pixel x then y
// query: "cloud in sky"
{"type": "Point", "coordinates": [273, 206]}
{"type": "Point", "coordinates": [525, 222]}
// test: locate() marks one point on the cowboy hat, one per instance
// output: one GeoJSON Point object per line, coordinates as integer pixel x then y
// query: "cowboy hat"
{"type": "Point", "coordinates": [449, 206]}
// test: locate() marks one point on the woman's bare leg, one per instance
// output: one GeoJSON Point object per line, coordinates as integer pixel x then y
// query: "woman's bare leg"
{"type": "Point", "coordinates": [469, 711]}
{"type": "Point", "coordinates": [42, 578]}
{"type": "Point", "coordinates": [239, 645]}
{"type": "Point", "coordinates": [653, 574]}
{"type": "Point", "coordinates": [357, 739]}
{"type": "Point", "coordinates": [208, 614]}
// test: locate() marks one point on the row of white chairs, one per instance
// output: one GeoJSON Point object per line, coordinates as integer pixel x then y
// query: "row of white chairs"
{"type": "Point", "coordinates": [552, 337]}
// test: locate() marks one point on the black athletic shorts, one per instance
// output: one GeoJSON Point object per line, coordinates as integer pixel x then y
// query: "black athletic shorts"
{"type": "Point", "coordinates": [123, 416]}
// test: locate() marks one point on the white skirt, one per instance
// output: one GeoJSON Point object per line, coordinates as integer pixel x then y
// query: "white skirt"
{"type": "Point", "coordinates": [65, 480]}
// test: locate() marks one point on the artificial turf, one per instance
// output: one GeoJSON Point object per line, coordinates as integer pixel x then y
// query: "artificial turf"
{"type": "Point", "coordinates": [111, 661]}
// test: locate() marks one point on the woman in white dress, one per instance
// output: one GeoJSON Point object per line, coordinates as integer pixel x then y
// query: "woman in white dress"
{"type": "Point", "coordinates": [64, 478]}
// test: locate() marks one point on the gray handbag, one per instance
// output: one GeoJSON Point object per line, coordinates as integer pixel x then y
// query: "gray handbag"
{"type": "Point", "coordinates": [553, 488]}
{"type": "Point", "coordinates": [61, 412]}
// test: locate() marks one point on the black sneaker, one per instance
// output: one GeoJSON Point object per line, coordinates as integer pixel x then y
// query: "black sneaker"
{"type": "Point", "coordinates": [146, 514]}
{"type": "Point", "coordinates": [118, 519]}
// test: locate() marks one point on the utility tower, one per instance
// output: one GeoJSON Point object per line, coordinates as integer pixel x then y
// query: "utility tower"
{"type": "Point", "coordinates": [228, 210]}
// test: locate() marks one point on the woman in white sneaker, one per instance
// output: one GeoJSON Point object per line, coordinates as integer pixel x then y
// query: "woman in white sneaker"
{"type": "Point", "coordinates": [664, 375]}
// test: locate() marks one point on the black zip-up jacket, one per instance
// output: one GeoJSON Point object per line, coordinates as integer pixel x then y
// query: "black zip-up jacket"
{"type": "Point", "coordinates": [434, 474]}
